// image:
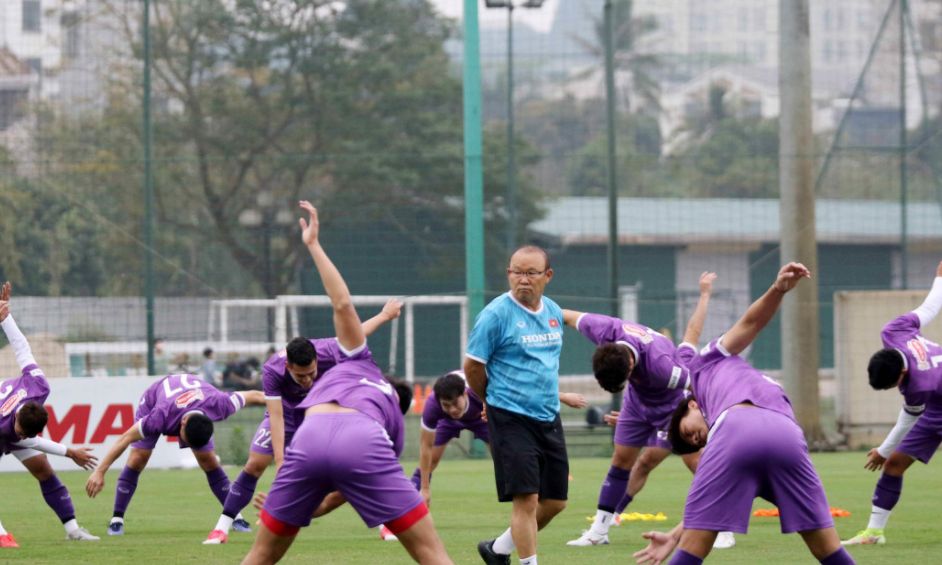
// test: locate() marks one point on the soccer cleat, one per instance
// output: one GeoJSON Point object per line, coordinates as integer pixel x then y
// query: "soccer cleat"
{"type": "Point", "coordinates": [486, 551]}
{"type": "Point", "coordinates": [870, 536]}
{"type": "Point", "coordinates": [6, 540]}
{"type": "Point", "coordinates": [588, 538]}
{"type": "Point", "coordinates": [216, 537]}
{"type": "Point", "coordinates": [724, 540]}
{"type": "Point", "coordinates": [81, 534]}
{"type": "Point", "coordinates": [241, 525]}
{"type": "Point", "coordinates": [116, 529]}
{"type": "Point", "coordinates": [386, 534]}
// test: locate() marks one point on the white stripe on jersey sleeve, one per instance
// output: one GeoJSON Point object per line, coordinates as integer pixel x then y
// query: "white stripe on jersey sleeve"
{"type": "Point", "coordinates": [579, 319]}
{"type": "Point", "coordinates": [237, 400]}
{"type": "Point", "coordinates": [272, 397]}
{"type": "Point", "coordinates": [476, 358]}
{"type": "Point", "coordinates": [424, 427]}
{"type": "Point", "coordinates": [353, 351]}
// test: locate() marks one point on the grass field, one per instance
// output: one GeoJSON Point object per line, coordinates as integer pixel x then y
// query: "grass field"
{"type": "Point", "coordinates": [174, 510]}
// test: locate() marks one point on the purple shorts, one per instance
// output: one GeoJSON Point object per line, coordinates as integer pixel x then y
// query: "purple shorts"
{"type": "Point", "coordinates": [349, 452]}
{"type": "Point", "coordinates": [756, 452]}
{"type": "Point", "coordinates": [924, 438]}
{"type": "Point", "coordinates": [640, 425]}
{"type": "Point", "coordinates": [448, 429]}
{"type": "Point", "coordinates": [261, 443]}
{"type": "Point", "coordinates": [149, 443]}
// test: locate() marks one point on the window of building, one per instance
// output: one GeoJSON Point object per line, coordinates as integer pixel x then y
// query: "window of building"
{"type": "Point", "coordinates": [12, 107]}
{"type": "Point", "coordinates": [32, 16]}
{"type": "Point", "coordinates": [71, 29]}
{"type": "Point", "coordinates": [35, 64]}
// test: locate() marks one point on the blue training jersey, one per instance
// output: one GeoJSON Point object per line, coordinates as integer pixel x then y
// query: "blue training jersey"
{"type": "Point", "coordinates": [520, 350]}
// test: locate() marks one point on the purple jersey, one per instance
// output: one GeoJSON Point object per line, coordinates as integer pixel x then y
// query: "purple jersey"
{"type": "Point", "coordinates": [278, 383]}
{"type": "Point", "coordinates": [30, 386]}
{"type": "Point", "coordinates": [165, 402]}
{"type": "Point", "coordinates": [360, 385]}
{"type": "Point", "coordinates": [433, 413]}
{"type": "Point", "coordinates": [922, 360]}
{"type": "Point", "coordinates": [720, 380]}
{"type": "Point", "coordinates": [658, 377]}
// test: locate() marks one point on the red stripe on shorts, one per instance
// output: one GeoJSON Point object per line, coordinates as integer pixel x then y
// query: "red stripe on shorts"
{"type": "Point", "coordinates": [278, 527]}
{"type": "Point", "coordinates": [408, 519]}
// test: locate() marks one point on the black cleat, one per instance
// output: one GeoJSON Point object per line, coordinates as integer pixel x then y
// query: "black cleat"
{"type": "Point", "coordinates": [486, 549]}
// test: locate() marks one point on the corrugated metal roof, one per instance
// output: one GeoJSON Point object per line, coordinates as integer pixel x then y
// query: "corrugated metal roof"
{"type": "Point", "coordinates": [583, 220]}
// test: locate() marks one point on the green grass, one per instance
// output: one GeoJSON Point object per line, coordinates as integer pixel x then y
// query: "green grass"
{"type": "Point", "coordinates": [174, 510]}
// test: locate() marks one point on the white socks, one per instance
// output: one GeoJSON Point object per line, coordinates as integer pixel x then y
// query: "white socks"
{"type": "Point", "coordinates": [71, 526]}
{"type": "Point", "coordinates": [224, 523]}
{"type": "Point", "coordinates": [528, 560]}
{"type": "Point", "coordinates": [2, 531]}
{"type": "Point", "coordinates": [116, 519]}
{"type": "Point", "coordinates": [504, 544]}
{"type": "Point", "coordinates": [602, 522]}
{"type": "Point", "coordinates": [878, 518]}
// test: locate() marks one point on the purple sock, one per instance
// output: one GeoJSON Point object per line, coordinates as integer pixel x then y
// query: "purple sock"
{"type": "Point", "coordinates": [839, 557]}
{"type": "Point", "coordinates": [57, 497]}
{"type": "Point", "coordinates": [417, 479]}
{"type": "Point", "coordinates": [240, 494]}
{"type": "Point", "coordinates": [681, 557]}
{"type": "Point", "coordinates": [623, 503]}
{"type": "Point", "coordinates": [218, 483]}
{"type": "Point", "coordinates": [124, 490]}
{"type": "Point", "coordinates": [613, 488]}
{"type": "Point", "coordinates": [886, 495]}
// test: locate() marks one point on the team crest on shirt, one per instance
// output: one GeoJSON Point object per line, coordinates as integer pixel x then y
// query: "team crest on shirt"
{"type": "Point", "coordinates": [919, 351]}
{"type": "Point", "coordinates": [189, 397]}
{"type": "Point", "coordinates": [553, 323]}
{"type": "Point", "coordinates": [637, 332]}
{"type": "Point", "coordinates": [11, 402]}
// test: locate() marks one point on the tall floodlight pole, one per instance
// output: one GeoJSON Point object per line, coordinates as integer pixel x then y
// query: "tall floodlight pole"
{"type": "Point", "coordinates": [511, 148]}
{"type": "Point", "coordinates": [473, 172]}
{"type": "Point", "coordinates": [904, 188]}
{"type": "Point", "coordinates": [800, 331]}
{"type": "Point", "coordinates": [612, 254]}
{"type": "Point", "coordinates": [147, 134]}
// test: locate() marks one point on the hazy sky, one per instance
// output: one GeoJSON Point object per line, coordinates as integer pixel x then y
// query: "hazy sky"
{"type": "Point", "coordinates": [540, 20]}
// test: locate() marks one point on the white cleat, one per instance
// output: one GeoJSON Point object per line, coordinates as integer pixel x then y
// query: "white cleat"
{"type": "Point", "coordinates": [724, 540]}
{"type": "Point", "coordinates": [588, 538]}
{"type": "Point", "coordinates": [81, 534]}
{"type": "Point", "coordinates": [386, 535]}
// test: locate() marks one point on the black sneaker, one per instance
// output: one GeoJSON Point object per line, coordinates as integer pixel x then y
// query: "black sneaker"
{"type": "Point", "coordinates": [486, 549]}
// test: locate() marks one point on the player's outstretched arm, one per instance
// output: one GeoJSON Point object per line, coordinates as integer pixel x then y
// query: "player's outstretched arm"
{"type": "Point", "coordinates": [252, 397]}
{"type": "Point", "coordinates": [82, 456]}
{"type": "Point", "coordinates": [21, 349]}
{"type": "Point", "coordinates": [390, 312]}
{"type": "Point", "coordinates": [573, 399]}
{"type": "Point", "coordinates": [426, 446]}
{"type": "Point", "coordinates": [570, 317]}
{"type": "Point", "coordinates": [96, 481]}
{"type": "Point", "coordinates": [697, 319]}
{"type": "Point", "coordinates": [660, 546]}
{"type": "Point", "coordinates": [745, 330]}
{"type": "Point", "coordinates": [347, 325]}
{"type": "Point", "coordinates": [477, 377]}
{"type": "Point", "coordinates": [877, 456]}
{"type": "Point", "coordinates": [929, 309]}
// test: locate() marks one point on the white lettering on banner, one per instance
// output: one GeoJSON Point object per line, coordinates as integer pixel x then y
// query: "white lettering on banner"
{"type": "Point", "coordinates": [94, 412]}
{"type": "Point", "coordinates": [185, 385]}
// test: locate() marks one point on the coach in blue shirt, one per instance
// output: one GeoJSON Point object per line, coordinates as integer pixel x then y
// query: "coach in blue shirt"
{"type": "Point", "coordinates": [512, 361]}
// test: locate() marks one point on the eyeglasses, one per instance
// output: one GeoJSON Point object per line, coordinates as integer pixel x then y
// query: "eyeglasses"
{"type": "Point", "coordinates": [531, 274]}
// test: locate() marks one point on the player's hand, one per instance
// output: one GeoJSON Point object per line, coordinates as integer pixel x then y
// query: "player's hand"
{"type": "Point", "coordinates": [938, 270]}
{"type": "Point", "coordinates": [874, 460]}
{"type": "Point", "coordinates": [426, 496]}
{"type": "Point", "coordinates": [311, 228]}
{"type": "Point", "coordinates": [94, 484]}
{"type": "Point", "coordinates": [4, 310]}
{"type": "Point", "coordinates": [484, 412]}
{"type": "Point", "coordinates": [5, 291]}
{"type": "Point", "coordinates": [258, 501]}
{"type": "Point", "coordinates": [573, 400]}
{"type": "Point", "coordinates": [83, 457]}
{"type": "Point", "coordinates": [660, 546]}
{"type": "Point", "coordinates": [789, 276]}
{"type": "Point", "coordinates": [392, 309]}
{"type": "Point", "coordinates": [706, 282]}
{"type": "Point", "coordinates": [611, 418]}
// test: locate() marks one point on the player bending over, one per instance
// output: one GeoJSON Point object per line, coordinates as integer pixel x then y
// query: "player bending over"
{"type": "Point", "coordinates": [909, 362]}
{"type": "Point", "coordinates": [752, 445]}
{"type": "Point", "coordinates": [23, 418]}
{"type": "Point", "coordinates": [647, 361]}
{"type": "Point", "coordinates": [352, 434]}
{"type": "Point", "coordinates": [177, 405]}
{"type": "Point", "coordinates": [286, 379]}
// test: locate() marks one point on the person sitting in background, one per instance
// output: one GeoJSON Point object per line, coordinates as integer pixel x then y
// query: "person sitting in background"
{"type": "Point", "coordinates": [208, 369]}
{"type": "Point", "coordinates": [242, 375]}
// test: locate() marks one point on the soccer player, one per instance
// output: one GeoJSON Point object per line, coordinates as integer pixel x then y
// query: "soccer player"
{"type": "Point", "coordinates": [647, 361]}
{"type": "Point", "coordinates": [286, 379]}
{"type": "Point", "coordinates": [349, 442]}
{"type": "Point", "coordinates": [23, 418]}
{"type": "Point", "coordinates": [177, 405]}
{"type": "Point", "coordinates": [451, 408]}
{"type": "Point", "coordinates": [752, 445]}
{"type": "Point", "coordinates": [909, 362]}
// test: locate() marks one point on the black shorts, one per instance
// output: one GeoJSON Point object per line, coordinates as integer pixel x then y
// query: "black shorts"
{"type": "Point", "coordinates": [529, 455]}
